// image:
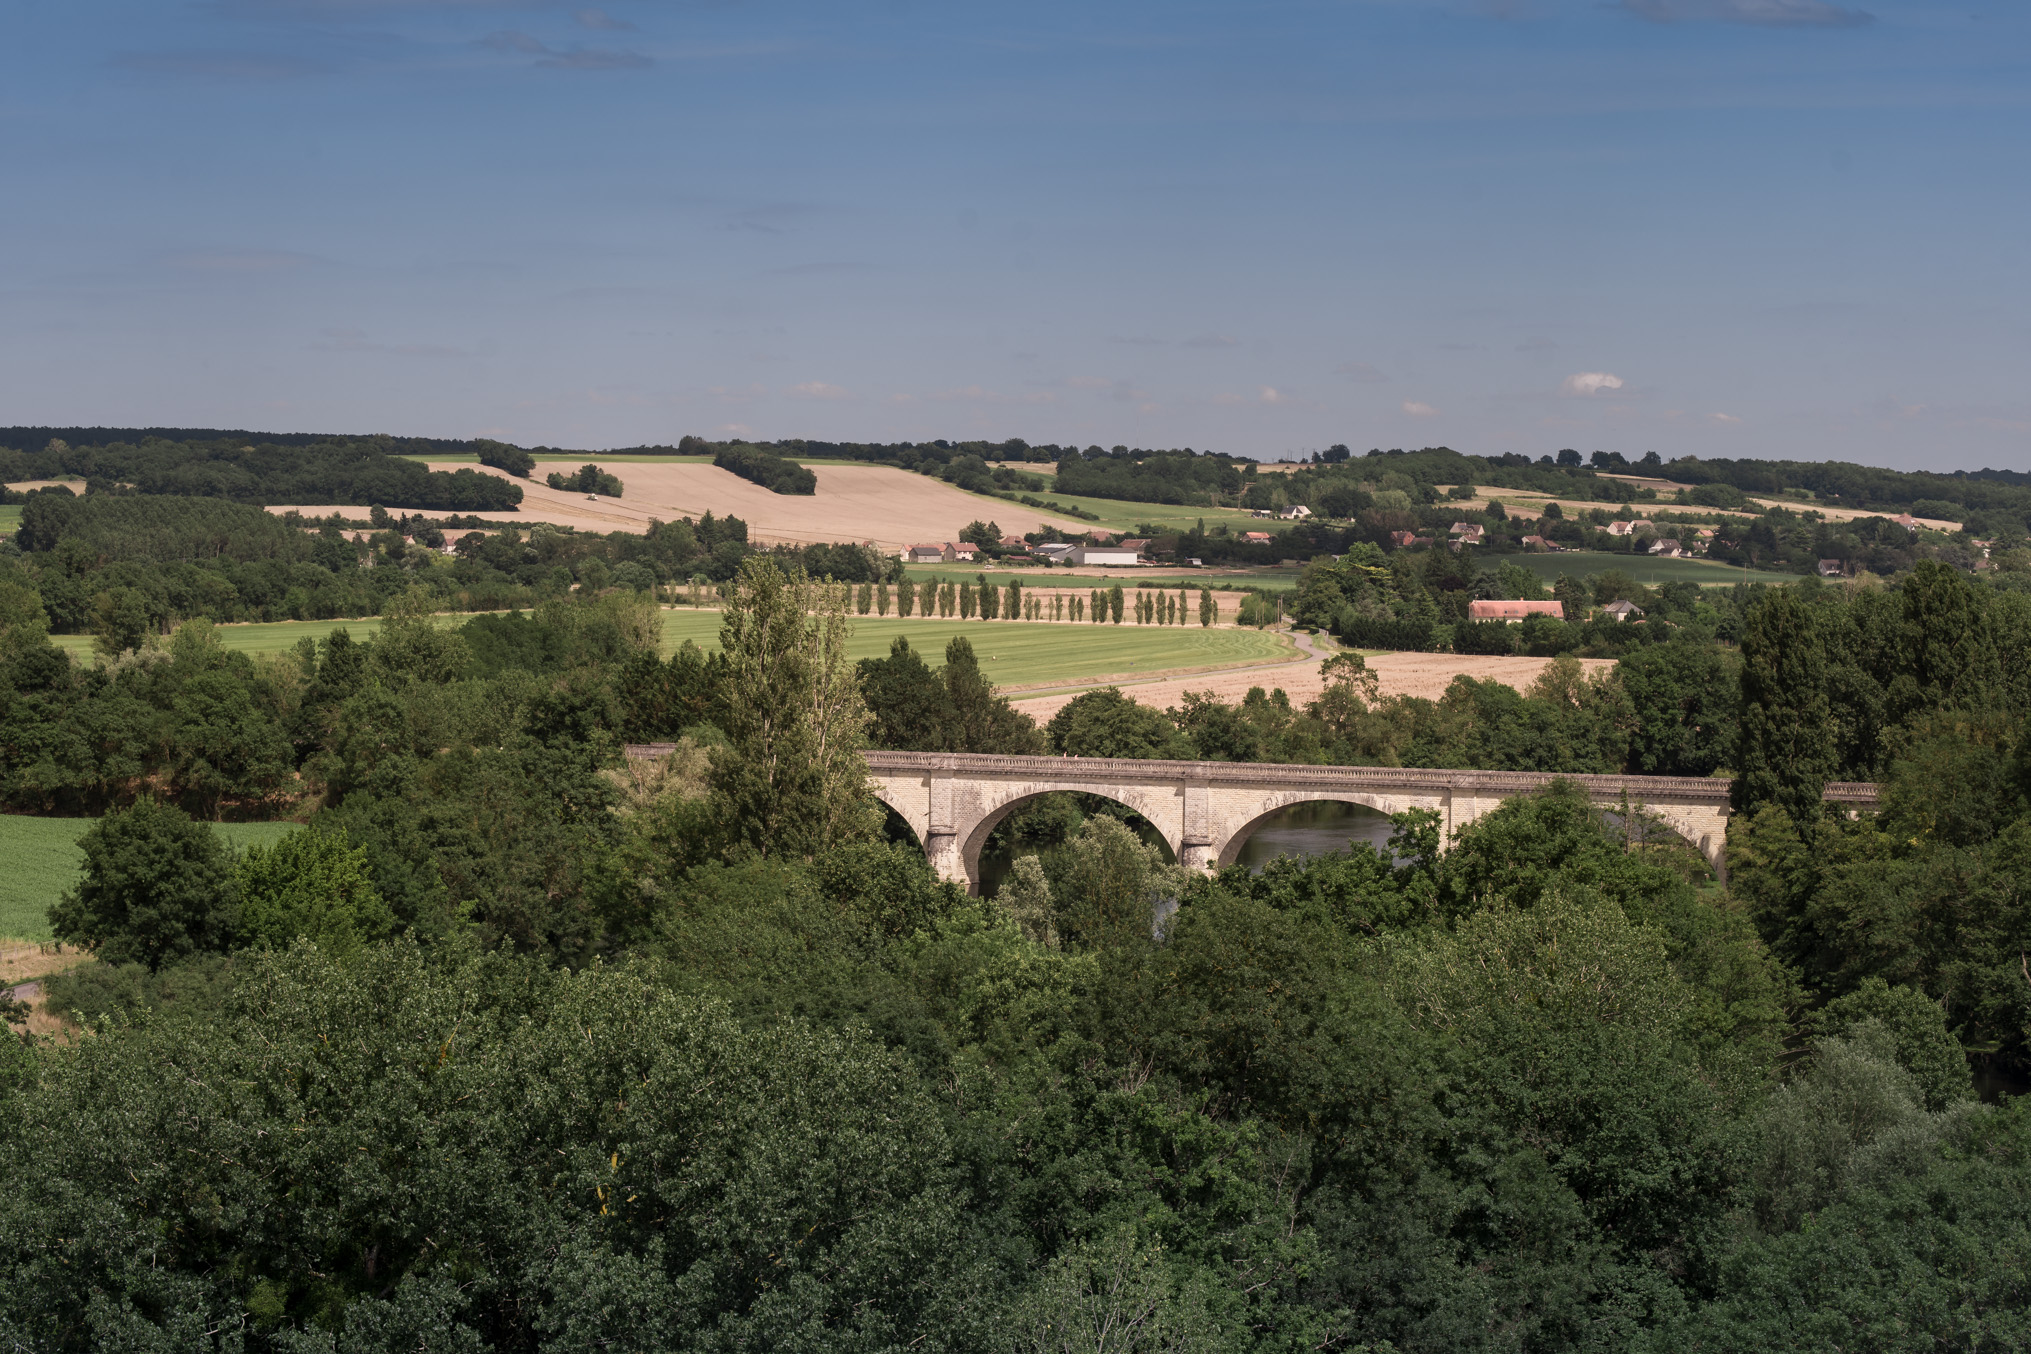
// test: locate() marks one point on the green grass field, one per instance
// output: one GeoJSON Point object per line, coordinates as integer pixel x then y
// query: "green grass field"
{"type": "Point", "coordinates": [268, 637]}
{"type": "Point", "coordinates": [10, 518]}
{"type": "Point", "coordinates": [1641, 568]}
{"type": "Point", "coordinates": [1028, 653]}
{"type": "Point", "coordinates": [1014, 653]}
{"type": "Point", "coordinates": [43, 859]}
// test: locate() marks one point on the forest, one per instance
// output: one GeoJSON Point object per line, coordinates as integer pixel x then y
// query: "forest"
{"type": "Point", "coordinates": [359, 471]}
{"type": "Point", "coordinates": [522, 1044]}
{"type": "Point", "coordinates": [122, 567]}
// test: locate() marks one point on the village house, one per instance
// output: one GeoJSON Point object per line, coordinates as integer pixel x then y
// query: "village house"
{"type": "Point", "coordinates": [1514, 611]}
{"type": "Point", "coordinates": [960, 552]}
{"type": "Point", "coordinates": [1667, 548]}
{"type": "Point", "coordinates": [1831, 568]}
{"type": "Point", "coordinates": [1641, 524]}
{"type": "Point", "coordinates": [1468, 533]}
{"type": "Point", "coordinates": [1296, 512]}
{"type": "Point", "coordinates": [1537, 543]}
{"type": "Point", "coordinates": [925, 554]}
{"type": "Point", "coordinates": [1255, 538]}
{"type": "Point", "coordinates": [1137, 544]}
{"type": "Point", "coordinates": [1623, 610]}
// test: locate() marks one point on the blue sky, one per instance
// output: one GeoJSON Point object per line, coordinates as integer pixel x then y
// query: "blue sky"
{"type": "Point", "coordinates": [1713, 227]}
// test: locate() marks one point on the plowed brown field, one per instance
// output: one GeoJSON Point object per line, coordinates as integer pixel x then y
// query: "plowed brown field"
{"type": "Point", "coordinates": [893, 508]}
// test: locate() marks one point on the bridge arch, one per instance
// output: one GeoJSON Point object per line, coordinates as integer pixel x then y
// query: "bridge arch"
{"type": "Point", "coordinates": [1228, 851]}
{"type": "Point", "coordinates": [974, 840]}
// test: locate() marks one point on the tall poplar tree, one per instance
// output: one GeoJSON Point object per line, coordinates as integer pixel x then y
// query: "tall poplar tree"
{"type": "Point", "coordinates": [1786, 753]}
{"type": "Point", "coordinates": [790, 779]}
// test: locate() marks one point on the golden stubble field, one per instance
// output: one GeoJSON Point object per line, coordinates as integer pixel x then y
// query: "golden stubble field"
{"type": "Point", "coordinates": [1406, 674]}
{"type": "Point", "coordinates": [893, 508]}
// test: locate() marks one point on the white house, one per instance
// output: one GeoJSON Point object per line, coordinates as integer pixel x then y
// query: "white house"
{"type": "Point", "coordinates": [1296, 512]}
{"type": "Point", "coordinates": [1631, 528]}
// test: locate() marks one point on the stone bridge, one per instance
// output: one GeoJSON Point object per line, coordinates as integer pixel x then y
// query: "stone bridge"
{"type": "Point", "coordinates": [1206, 810]}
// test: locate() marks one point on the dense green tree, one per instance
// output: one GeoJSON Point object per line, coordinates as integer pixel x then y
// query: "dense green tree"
{"type": "Point", "coordinates": [1786, 750]}
{"type": "Point", "coordinates": [1105, 723]}
{"type": "Point", "coordinates": [313, 885]}
{"type": "Point", "coordinates": [156, 887]}
{"type": "Point", "coordinates": [1683, 698]}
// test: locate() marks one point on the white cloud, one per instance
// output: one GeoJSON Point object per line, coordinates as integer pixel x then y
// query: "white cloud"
{"type": "Point", "coordinates": [1590, 382]}
{"type": "Point", "coordinates": [1757, 13]}
{"type": "Point", "coordinates": [819, 390]}
{"type": "Point", "coordinates": [1725, 418]}
{"type": "Point", "coordinates": [1417, 409]}
{"type": "Point", "coordinates": [1269, 395]}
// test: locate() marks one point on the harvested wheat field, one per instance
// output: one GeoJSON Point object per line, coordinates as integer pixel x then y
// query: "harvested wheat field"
{"type": "Point", "coordinates": [893, 508]}
{"type": "Point", "coordinates": [1401, 674]}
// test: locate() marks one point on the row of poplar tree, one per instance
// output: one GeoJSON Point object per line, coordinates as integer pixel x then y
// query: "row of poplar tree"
{"type": "Point", "coordinates": [983, 599]}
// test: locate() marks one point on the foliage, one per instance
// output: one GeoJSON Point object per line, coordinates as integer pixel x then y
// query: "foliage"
{"type": "Point", "coordinates": [774, 473]}
{"type": "Point", "coordinates": [156, 887]}
{"type": "Point", "coordinates": [312, 886]}
{"type": "Point", "coordinates": [589, 479]}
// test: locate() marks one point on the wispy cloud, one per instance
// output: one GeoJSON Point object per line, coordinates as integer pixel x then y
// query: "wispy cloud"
{"type": "Point", "coordinates": [602, 21]}
{"type": "Point", "coordinates": [356, 341]}
{"type": "Point", "coordinates": [221, 65]}
{"type": "Point", "coordinates": [819, 390]}
{"type": "Point", "coordinates": [1212, 341]}
{"type": "Point", "coordinates": [1537, 343]}
{"type": "Point", "coordinates": [1262, 395]}
{"type": "Point", "coordinates": [1757, 13]}
{"type": "Point", "coordinates": [1590, 383]}
{"type": "Point", "coordinates": [1418, 409]}
{"type": "Point", "coordinates": [238, 261]}
{"type": "Point", "coordinates": [1360, 372]}
{"type": "Point", "coordinates": [1725, 418]}
{"type": "Point", "coordinates": [1136, 340]}
{"type": "Point", "coordinates": [563, 58]}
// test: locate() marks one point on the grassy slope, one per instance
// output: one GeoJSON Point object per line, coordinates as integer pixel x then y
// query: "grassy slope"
{"type": "Point", "coordinates": [1028, 653]}
{"type": "Point", "coordinates": [42, 861]}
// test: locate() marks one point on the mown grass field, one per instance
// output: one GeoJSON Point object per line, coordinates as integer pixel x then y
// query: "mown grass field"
{"type": "Point", "coordinates": [1012, 652]}
{"type": "Point", "coordinates": [1033, 653]}
{"type": "Point", "coordinates": [10, 518]}
{"type": "Point", "coordinates": [267, 637]}
{"type": "Point", "coordinates": [43, 860]}
{"type": "Point", "coordinates": [1641, 568]}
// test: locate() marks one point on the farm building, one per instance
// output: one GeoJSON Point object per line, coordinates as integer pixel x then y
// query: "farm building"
{"type": "Point", "coordinates": [1103, 554]}
{"type": "Point", "coordinates": [926, 554]}
{"type": "Point", "coordinates": [1513, 611]}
